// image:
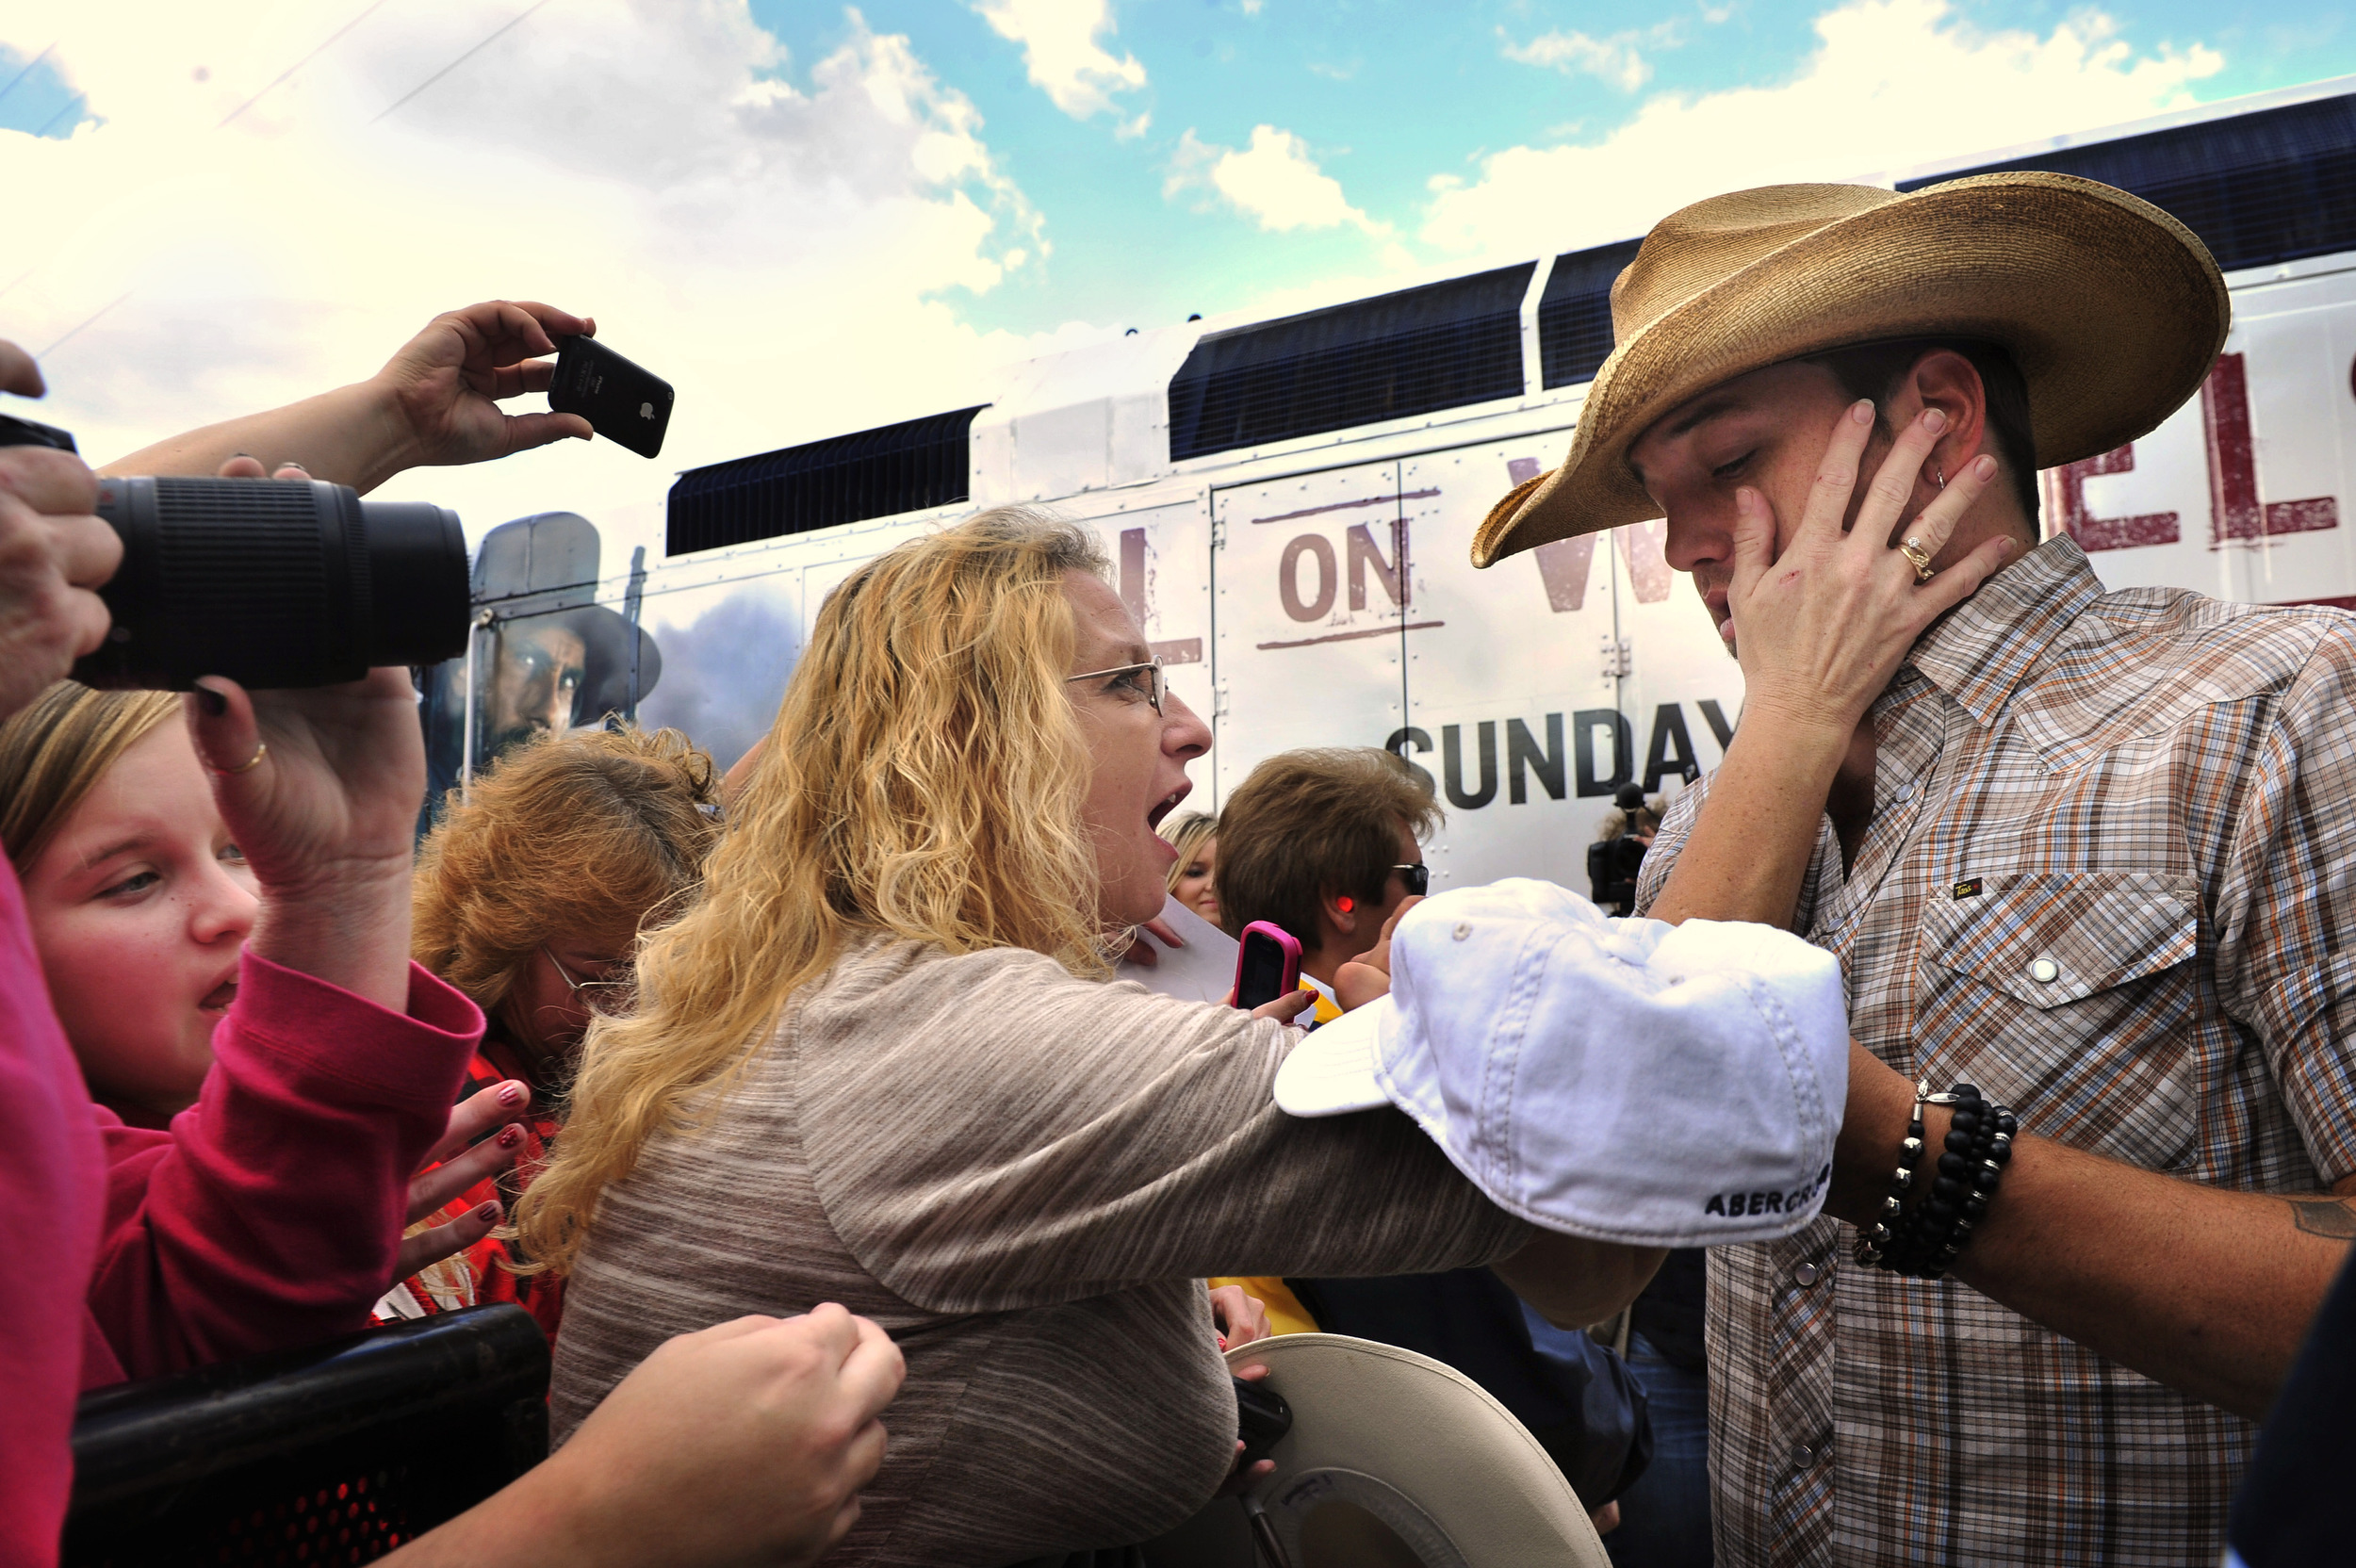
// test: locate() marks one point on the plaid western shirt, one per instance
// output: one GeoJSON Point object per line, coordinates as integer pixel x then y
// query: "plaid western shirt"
{"type": "Point", "coordinates": [2151, 798]}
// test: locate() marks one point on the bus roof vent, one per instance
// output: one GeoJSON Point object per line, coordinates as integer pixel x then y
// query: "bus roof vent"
{"type": "Point", "coordinates": [909, 467]}
{"type": "Point", "coordinates": [1574, 313]}
{"type": "Point", "coordinates": [1439, 346]}
{"type": "Point", "coordinates": [2258, 189]}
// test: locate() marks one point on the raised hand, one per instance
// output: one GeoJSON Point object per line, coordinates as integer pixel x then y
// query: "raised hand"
{"type": "Point", "coordinates": [446, 382]}
{"type": "Point", "coordinates": [457, 1163]}
{"type": "Point", "coordinates": [1368, 975]}
{"type": "Point", "coordinates": [55, 554]}
{"type": "Point", "coordinates": [1820, 630]}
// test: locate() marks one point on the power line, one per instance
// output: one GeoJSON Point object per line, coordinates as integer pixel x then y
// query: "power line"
{"type": "Point", "coordinates": [86, 322]}
{"type": "Point", "coordinates": [461, 60]}
{"type": "Point", "coordinates": [29, 69]}
{"type": "Point", "coordinates": [364, 14]}
{"type": "Point", "coordinates": [72, 104]}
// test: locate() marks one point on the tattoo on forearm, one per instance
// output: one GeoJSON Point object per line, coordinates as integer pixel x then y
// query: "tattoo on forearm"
{"type": "Point", "coordinates": [2320, 1216]}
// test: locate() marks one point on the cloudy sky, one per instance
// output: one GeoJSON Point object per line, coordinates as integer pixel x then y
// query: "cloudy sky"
{"type": "Point", "coordinates": [813, 218]}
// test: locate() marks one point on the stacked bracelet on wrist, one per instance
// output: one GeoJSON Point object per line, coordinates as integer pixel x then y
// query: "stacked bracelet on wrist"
{"type": "Point", "coordinates": [1925, 1243]}
{"type": "Point", "coordinates": [1875, 1243]}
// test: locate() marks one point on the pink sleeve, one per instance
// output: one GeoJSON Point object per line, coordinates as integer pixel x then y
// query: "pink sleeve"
{"type": "Point", "coordinates": [49, 1187]}
{"type": "Point", "coordinates": [268, 1216]}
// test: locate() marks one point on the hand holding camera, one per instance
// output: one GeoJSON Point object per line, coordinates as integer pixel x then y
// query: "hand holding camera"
{"type": "Point", "coordinates": [55, 553]}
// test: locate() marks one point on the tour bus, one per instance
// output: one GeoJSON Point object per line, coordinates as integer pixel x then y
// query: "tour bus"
{"type": "Point", "coordinates": [1287, 505]}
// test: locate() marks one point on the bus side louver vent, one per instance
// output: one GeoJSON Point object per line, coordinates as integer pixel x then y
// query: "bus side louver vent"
{"type": "Point", "coordinates": [1574, 313]}
{"type": "Point", "coordinates": [1441, 346]}
{"type": "Point", "coordinates": [846, 478]}
{"type": "Point", "coordinates": [2258, 189]}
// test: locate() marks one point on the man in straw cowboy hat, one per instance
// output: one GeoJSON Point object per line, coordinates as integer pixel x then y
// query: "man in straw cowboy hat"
{"type": "Point", "coordinates": [2085, 853]}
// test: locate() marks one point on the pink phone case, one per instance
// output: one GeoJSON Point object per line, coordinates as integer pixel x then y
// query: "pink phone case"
{"type": "Point", "coordinates": [1283, 939]}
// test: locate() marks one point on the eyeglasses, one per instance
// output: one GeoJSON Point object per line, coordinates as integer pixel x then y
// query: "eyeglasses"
{"type": "Point", "coordinates": [1417, 878]}
{"type": "Point", "coordinates": [612, 986]}
{"type": "Point", "coordinates": [1156, 692]}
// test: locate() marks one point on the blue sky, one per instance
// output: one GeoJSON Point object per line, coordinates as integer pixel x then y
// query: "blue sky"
{"type": "Point", "coordinates": [814, 218]}
{"type": "Point", "coordinates": [1387, 93]}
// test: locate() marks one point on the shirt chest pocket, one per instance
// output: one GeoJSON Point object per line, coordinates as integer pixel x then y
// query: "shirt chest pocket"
{"type": "Point", "coordinates": [2067, 993]}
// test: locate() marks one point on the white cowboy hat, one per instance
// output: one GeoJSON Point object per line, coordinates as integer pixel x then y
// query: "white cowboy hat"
{"type": "Point", "coordinates": [1394, 1461]}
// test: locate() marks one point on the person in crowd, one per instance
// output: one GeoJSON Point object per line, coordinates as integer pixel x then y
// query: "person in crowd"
{"type": "Point", "coordinates": [1617, 856]}
{"type": "Point", "coordinates": [1195, 836]}
{"type": "Point", "coordinates": [1327, 844]}
{"type": "Point", "coordinates": [748, 1441]}
{"type": "Point", "coordinates": [114, 830]}
{"type": "Point", "coordinates": [528, 899]}
{"type": "Point", "coordinates": [877, 1062]}
{"type": "Point", "coordinates": [140, 905]}
{"type": "Point", "coordinates": [1317, 842]}
{"type": "Point", "coordinates": [2089, 854]}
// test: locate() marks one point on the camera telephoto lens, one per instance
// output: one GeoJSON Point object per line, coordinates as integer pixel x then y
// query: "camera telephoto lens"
{"type": "Point", "coordinates": [274, 583]}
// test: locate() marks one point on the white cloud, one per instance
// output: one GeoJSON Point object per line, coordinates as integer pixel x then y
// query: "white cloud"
{"type": "Point", "coordinates": [775, 237]}
{"type": "Point", "coordinates": [1274, 182]}
{"type": "Point", "coordinates": [1614, 59]}
{"type": "Point", "coordinates": [1061, 51]}
{"type": "Point", "coordinates": [1893, 83]}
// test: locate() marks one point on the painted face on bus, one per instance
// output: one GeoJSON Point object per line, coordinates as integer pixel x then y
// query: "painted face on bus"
{"type": "Point", "coordinates": [534, 681]}
{"type": "Point", "coordinates": [1139, 757]}
{"type": "Point", "coordinates": [1766, 431]}
{"type": "Point", "coordinates": [140, 908]}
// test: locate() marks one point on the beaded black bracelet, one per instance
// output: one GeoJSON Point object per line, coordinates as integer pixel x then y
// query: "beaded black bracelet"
{"type": "Point", "coordinates": [1874, 1242]}
{"type": "Point", "coordinates": [1970, 1168]}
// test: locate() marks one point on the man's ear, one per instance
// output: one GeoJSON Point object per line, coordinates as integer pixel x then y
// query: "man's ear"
{"type": "Point", "coordinates": [1944, 380]}
{"type": "Point", "coordinates": [1341, 912]}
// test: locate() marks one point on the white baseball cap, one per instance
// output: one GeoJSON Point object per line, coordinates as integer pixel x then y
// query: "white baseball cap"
{"type": "Point", "coordinates": [1622, 1080]}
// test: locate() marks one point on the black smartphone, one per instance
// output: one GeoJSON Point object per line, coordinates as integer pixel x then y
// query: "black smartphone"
{"type": "Point", "coordinates": [1262, 1419]}
{"type": "Point", "coordinates": [1267, 964]}
{"type": "Point", "coordinates": [626, 403]}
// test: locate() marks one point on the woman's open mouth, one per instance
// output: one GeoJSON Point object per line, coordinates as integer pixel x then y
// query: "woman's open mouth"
{"type": "Point", "coordinates": [1168, 804]}
{"type": "Point", "coordinates": [218, 998]}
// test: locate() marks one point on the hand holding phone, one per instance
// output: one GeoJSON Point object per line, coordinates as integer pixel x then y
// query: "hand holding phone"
{"type": "Point", "coordinates": [1268, 965]}
{"type": "Point", "coordinates": [624, 403]}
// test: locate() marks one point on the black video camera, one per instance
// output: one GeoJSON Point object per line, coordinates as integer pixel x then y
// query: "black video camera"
{"type": "Point", "coordinates": [274, 583]}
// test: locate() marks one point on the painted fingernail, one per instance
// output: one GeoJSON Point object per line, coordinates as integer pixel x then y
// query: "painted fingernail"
{"type": "Point", "coordinates": [509, 1137]}
{"type": "Point", "coordinates": [487, 1210]}
{"type": "Point", "coordinates": [1983, 468]}
{"type": "Point", "coordinates": [1933, 419]}
{"type": "Point", "coordinates": [511, 1094]}
{"type": "Point", "coordinates": [214, 704]}
{"type": "Point", "coordinates": [1862, 411]}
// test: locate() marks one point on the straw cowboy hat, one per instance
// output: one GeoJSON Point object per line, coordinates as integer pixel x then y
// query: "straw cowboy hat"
{"type": "Point", "coordinates": [2112, 309]}
{"type": "Point", "coordinates": [1394, 1461]}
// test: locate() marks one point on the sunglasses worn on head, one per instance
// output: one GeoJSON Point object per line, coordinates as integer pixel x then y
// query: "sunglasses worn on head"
{"type": "Point", "coordinates": [1157, 685]}
{"type": "Point", "coordinates": [1418, 877]}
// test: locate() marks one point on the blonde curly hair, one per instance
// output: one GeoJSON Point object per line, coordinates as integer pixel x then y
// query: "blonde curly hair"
{"type": "Point", "coordinates": [923, 780]}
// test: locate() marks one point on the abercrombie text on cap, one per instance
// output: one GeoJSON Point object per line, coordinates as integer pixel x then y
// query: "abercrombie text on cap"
{"type": "Point", "coordinates": [1733, 1205]}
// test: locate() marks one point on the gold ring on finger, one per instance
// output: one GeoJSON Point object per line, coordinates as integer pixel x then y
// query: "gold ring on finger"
{"type": "Point", "coordinates": [1917, 557]}
{"type": "Point", "coordinates": [248, 766]}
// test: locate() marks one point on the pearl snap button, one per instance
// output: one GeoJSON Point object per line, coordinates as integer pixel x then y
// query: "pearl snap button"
{"type": "Point", "coordinates": [2045, 971]}
{"type": "Point", "coordinates": [1464, 929]}
{"type": "Point", "coordinates": [1807, 1274]}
